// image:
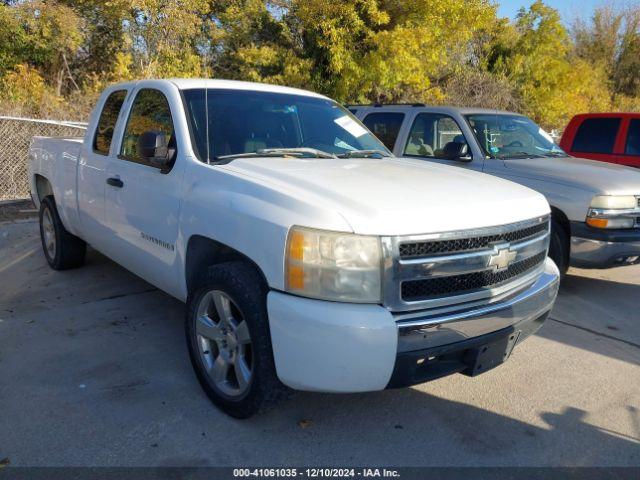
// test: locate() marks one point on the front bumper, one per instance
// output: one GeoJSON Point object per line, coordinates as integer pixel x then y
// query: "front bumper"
{"type": "Point", "coordinates": [593, 248]}
{"type": "Point", "coordinates": [339, 347]}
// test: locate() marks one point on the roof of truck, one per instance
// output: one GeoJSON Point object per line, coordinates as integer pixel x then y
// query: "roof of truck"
{"type": "Point", "coordinates": [435, 108]}
{"type": "Point", "coordinates": [189, 83]}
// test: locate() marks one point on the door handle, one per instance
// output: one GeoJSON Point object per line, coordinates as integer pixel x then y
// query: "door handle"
{"type": "Point", "coordinates": [115, 182]}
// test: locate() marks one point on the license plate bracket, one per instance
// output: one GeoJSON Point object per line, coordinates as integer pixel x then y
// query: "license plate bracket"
{"type": "Point", "coordinates": [490, 355]}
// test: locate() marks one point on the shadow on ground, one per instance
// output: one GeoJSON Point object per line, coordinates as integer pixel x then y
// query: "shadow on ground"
{"type": "Point", "coordinates": [608, 309]}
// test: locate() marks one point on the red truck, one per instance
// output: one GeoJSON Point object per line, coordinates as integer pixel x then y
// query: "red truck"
{"type": "Point", "coordinates": [607, 137]}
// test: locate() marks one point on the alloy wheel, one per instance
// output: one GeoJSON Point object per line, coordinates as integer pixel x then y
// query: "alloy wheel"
{"type": "Point", "coordinates": [224, 343]}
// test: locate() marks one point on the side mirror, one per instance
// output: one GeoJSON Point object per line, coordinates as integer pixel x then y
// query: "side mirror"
{"type": "Point", "coordinates": [457, 151]}
{"type": "Point", "coordinates": [153, 146]}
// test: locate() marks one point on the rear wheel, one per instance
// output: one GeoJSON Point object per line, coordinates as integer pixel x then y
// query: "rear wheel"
{"type": "Point", "coordinates": [559, 247]}
{"type": "Point", "coordinates": [62, 249]}
{"type": "Point", "coordinates": [229, 340]}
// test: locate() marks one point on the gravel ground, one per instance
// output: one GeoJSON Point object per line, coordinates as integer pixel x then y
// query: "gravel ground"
{"type": "Point", "coordinates": [94, 371]}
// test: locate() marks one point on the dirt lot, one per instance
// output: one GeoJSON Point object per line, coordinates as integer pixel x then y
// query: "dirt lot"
{"type": "Point", "coordinates": [94, 371]}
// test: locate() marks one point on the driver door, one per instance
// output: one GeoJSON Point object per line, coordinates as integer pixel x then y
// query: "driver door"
{"type": "Point", "coordinates": [143, 202]}
{"type": "Point", "coordinates": [433, 135]}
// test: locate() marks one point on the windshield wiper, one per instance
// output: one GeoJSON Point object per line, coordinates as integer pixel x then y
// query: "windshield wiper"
{"type": "Point", "coordinates": [364, 154]}
{"type": "Point", "coordinates": [517, 155]}
{"type": "Point", "coordinates": [555, 154]}
{"type": "Point", "coordinates": [280, 152]}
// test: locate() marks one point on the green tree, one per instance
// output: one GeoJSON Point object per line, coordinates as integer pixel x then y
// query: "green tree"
{"type": "Point", "coordinates": [552, 83]}
{"type": "Point", "coordinates": [368, 50]}
{"type": "Point", "coordinates": [626, 75]}
{"type": "Point", "coordinates": [44, 35]}
{"type": "Point", "coordinates": [165, 35]}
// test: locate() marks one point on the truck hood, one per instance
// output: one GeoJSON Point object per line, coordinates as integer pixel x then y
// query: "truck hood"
{"type": "Point", "coordinates": [393, 196]}
{"type": "Point", "coordinates": [596, 177]}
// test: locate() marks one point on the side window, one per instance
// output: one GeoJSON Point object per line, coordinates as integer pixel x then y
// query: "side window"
{"type": "Point", "coordinates": [107, 122]}
{"type": "Point", "coordinates": [432, 135]}
{"type": "Point", "coordinates": [385, 126]}
{"type": "Point", "coordinates": [596, 135]}
{"type": "Point", "coordinates": [633, 138]}
{"type": "Point", "coordinates": [150, 112]}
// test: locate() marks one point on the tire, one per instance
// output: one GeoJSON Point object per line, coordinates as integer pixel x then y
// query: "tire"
{"type": "Point", "coordinates": [242, 341]}
{"type": "Point", "coordinates": [559, 247]}
{"type": "Point", "coordinates": [62, 249]}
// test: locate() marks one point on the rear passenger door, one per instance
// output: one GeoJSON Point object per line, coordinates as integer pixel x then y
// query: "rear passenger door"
{"type": "Point", "coordinates": [599, 138]}
{"type": "Point", "coordinates": [97, 151]}
{"type": "Point", "coordinates": [386, 126]}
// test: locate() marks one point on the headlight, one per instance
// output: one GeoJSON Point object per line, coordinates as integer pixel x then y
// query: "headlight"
{"type": "Point", "coordinates": [611, 211]}
{"type": "Point", "coordinates": [333, 266]}
{"type": "Point", "coordinates": [614, 202]}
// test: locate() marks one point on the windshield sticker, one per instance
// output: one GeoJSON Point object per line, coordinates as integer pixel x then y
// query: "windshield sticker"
{"type": "Point", "coordinates": [546, 135]}
{"type": "Point", "coordinates": [351, 126]}
{"type": "Point", "coordinates": [342, 144]}
{"type": "Point", "coordinates": [494, 149]}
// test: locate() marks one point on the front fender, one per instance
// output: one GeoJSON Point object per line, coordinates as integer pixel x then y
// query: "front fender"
{"type": "Point", "coordinates": [246, 215]}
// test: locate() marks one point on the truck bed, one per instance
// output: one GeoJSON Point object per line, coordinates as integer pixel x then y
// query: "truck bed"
{"type": "Point", "coordinates": [56, 159]}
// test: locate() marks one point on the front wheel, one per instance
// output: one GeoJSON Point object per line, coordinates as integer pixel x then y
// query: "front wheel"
{"type": "Point", "coordinates": [559, 247]}
{"type": "Point", "coordinates": [229, 340]}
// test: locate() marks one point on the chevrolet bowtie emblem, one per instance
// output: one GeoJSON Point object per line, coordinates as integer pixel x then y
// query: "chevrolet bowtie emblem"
{"type": "Point", "coordinates": [502, 259]}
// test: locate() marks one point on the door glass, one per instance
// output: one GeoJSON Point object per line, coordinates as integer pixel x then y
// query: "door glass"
{"type": "Point", "coordinates": [633, 138]}
{"type": "Point", "coordinates": [596, 135]}
{"type": "Point", "coordinates": [385, 126]}
{"type": "Point", "coordinates": [107, 122]}
{"type": "Point", "coordinates": [432, 135]}
{"type": "Point", "coordinates": [150, 112]}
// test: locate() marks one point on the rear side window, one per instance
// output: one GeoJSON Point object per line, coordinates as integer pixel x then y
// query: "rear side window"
{"type": "Point", "coordinates": [150, 112]}
{"type": "Point", "coordinates": [385, 126]}
{"type": "Point", "coordinates": [107, 122]}
{"type": "Point", "coordinates": [633, 138]}
{"type": "Point", "coordinates": [596, 135]}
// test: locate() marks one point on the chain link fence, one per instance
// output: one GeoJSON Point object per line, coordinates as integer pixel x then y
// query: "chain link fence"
{"type": "Point", "coordinates": [15, 137]}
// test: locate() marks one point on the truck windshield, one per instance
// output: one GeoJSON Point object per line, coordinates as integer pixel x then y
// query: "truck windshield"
{"type": "Point", "coordinates": [512, 136]}
{"type": "Point", "coordinates": [229, 123]}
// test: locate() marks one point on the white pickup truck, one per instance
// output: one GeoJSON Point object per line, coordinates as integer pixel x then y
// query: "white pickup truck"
{"type": "Point", "coordinates": [308, 257]}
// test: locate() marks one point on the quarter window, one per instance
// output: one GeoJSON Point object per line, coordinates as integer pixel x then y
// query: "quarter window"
{"type": "Point", "coordinates": [150, 112]}
{"type": "Point", "coordinates": [107, 122]}
{"type": "Point", "coordinates": [596, 135]}
{"type": "Point", "coordinates": [385, 126]}
{"type": "Point", "coordinates": [633, 138]}
{"type": "Point", "coordinates": [431, 133]}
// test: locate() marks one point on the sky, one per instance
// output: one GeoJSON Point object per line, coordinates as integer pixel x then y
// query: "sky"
{"type": "Point", "coordinates": [569, 9]}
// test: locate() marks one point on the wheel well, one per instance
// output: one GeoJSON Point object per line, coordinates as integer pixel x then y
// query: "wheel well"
{"type": "Point", "coordinates": [559, 216]}
{"type": "Point", "coordinates": [43, 187]}
{"type": "Point", "coordinates": [203, 252]}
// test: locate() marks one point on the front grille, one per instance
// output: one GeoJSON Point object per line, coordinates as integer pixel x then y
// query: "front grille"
{"type": "Point", "coordinates": [461, 245]}
{"type": "Point", "coordinates": [424, 289]}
